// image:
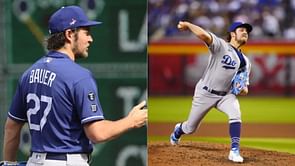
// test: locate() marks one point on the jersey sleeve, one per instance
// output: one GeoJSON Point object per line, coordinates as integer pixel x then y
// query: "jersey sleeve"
{"type": "Point", "coordinates": [216, 44]}
{"type": "Point", "coordinates": [17, 110]}
{"type": "Point", "coordinates": [87, 101]}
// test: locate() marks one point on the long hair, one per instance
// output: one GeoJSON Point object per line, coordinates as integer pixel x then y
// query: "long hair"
{"type": "Point", "coordinates": [58, 40]}
{"type": "Point", "coordinates": [228, 37]}
{"type": "Point", "coordinates": [55, 41]}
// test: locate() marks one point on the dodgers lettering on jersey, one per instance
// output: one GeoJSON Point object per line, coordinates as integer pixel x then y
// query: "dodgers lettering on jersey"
{"type": "Point", "coordinates": [57, 97]}
{"type": "Point", "coordinates": [228, 62]}
{"type": "Point", "coordinates": [224, 62]}
{"type": "Point", "coordinates": [42, 76]}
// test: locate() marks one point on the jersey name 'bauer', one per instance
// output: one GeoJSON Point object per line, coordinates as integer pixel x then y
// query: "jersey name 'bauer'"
{"type": "Point", "coordinates": [42, 76]}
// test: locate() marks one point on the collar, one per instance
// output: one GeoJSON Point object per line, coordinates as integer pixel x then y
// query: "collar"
{"type": "Point", "coordinates": [57, 54]}
{"type": "Point", "coordinates": [237, 49]}
{"type": "Point", "coordinates": [241, 57]}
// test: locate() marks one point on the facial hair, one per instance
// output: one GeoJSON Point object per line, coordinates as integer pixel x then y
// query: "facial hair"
{"type": "Point", "coordinates": [241, 42]}
{"type": "Point", "coordinates": [78, 54]}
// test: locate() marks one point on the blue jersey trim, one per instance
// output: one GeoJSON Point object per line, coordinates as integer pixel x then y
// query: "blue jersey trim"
{"type": "Point", "coordinates": [92, 118]}
{"type": "Point", "coordinates": [241, 57]}
{"type": "Point", "coordinates": [16, 118]}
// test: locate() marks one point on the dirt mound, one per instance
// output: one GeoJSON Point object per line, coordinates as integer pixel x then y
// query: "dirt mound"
{"type": "Point", "coordinates": [211, 154]}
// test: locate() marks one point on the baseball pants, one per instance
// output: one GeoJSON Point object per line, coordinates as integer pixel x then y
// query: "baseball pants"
{"type": "Point", "coordinates": [203, 101]}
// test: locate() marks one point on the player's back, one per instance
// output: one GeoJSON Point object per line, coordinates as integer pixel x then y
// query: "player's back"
{"type": "Point", "coordinates": [54, 120]}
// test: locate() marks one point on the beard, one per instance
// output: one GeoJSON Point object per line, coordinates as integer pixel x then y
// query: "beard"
{"type": "Point", "coordinates": [78, 53]}
{"type": "Point", "coordinates": [240, 41]}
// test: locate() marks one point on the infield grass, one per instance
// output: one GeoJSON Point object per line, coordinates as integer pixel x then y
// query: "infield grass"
{"type": "Point", "coordinates": [254, 110]}
{"type": "Point", "coordinates": [275, 144]}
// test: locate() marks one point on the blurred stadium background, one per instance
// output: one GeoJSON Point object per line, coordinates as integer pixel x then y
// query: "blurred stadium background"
{"type": "Point", "coordinates": [177, 61]}
{"type": "Point", "coordinates": [117, 59]}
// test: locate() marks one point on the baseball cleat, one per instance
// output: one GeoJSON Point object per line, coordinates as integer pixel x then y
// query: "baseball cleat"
{"type": "Point", "coordinates": [173, 139]}
{"type": "Point", "coordinates": [234, 155]}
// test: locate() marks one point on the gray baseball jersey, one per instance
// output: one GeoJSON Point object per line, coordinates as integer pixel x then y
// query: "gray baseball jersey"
{"type": "Point", "coordinates": [224, 63]}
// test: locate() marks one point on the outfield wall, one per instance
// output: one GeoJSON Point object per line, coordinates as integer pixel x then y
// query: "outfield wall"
{"type": "Point", "coordinates": [176, 65]}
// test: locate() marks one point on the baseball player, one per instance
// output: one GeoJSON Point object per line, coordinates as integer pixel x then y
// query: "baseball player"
{"type": "Point", "coordinates": [216, 87]}
{"type": "Point", "coordinates": [59, 100]}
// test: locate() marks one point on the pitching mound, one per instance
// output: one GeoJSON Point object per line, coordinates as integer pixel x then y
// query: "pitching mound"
{"type": "Point", "coordinates": [211, 154]}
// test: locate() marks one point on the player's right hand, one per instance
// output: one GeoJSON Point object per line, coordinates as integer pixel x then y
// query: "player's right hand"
{"type": "Point", "coordinates": [182, 25]}
{"type": "Point", "coordinates": [138, 115]}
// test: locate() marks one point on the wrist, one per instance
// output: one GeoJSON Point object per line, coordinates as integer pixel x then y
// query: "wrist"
{"type": "Point", "coordinates": [130, 122]}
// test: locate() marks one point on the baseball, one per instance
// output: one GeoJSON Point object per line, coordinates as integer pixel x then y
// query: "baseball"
{"type": "Point", "coordinates": [179, 26]}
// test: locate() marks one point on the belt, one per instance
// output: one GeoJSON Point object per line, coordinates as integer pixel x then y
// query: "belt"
{"type": "Point", "coordinates": [219, 93]}
{"type": "Point", "coordinates": [58, 156]}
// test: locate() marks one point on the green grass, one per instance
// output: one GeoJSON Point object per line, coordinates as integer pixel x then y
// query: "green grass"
{"type": "Point", "coordinates": [254, 110]}
{"type": "Point", "coordinates": [275, 144]}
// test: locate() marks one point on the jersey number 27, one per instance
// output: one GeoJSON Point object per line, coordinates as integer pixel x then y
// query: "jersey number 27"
{"type": "Point", "coordinates": [33, 111]}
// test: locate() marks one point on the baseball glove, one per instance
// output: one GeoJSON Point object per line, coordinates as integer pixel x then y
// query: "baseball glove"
{"type": "Point", "coordinates": [239, 82]}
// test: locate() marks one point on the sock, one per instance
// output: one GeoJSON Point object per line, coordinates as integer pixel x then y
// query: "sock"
{"type": "Point", "coordinates": [235, 131]}
{"type": "Point", "coordinates": [178, 132]}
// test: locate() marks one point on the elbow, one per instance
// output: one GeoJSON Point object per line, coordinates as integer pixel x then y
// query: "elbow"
{"type": "Point", "coordinates": [98, 138]}
{"type": "Point", "coordinates": [96, 134]}
{"type": "Point", "coordinates": [13, 126]}
{"type": "Point", "coordinates": [203, 37]}
{"type": "Point", "coordinates": [95, 140]}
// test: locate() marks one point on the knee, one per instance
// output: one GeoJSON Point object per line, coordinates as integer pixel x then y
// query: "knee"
{"type": "Point", "coordinates": [236, 117]}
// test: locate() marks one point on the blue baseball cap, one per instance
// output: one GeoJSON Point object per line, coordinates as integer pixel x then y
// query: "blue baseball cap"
{"type": "Point", "coordinates": [69, 17]}
{"type": "Point", "coordinates": [236, 25]}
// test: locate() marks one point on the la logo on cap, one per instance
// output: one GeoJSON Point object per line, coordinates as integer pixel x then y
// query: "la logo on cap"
{"type": "Point", "coordinates": [73, 21]}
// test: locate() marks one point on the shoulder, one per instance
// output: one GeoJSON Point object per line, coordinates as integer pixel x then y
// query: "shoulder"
{"type": "Point", "coordinates": [217, 42]}
{"type": "Point", "coordinates": [27, 72]}
{"type": "Point", "coordinates": [79, 69]}
{"type": "Point", "coordinates": [216, 38]}
{"type": "Point", "coordinates": [77, 72]}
